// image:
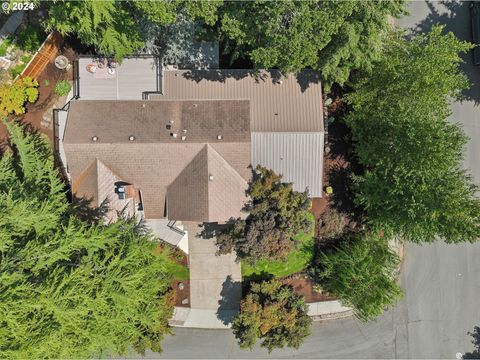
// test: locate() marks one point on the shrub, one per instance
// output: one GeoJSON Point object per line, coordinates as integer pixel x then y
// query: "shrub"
{"type": "Point", "coordinates": [30, 38]}
{"type": "Point", "coordinates": [62, 88]}
{"type": "Point", "coordinates": [333, 224]}
{"type": "Point", "coordinates": [16, 70]}
{"type": "Point", "coordinates": [274, 313]}
{"type": "Point", "coordinates": [14, 96]}
{"type": "Point", "coordinates": [361, 273]}
{"type": "Point", "coordinates": [4, 46]}
{"type": "Point", "coordinates": [26, 58]}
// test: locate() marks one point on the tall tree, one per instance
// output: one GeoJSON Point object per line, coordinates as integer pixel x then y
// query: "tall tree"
{"type": "Point", "coordinates": [361, 273]}
{"type": "Point", "coordinates": [334, 37]}
{"type": "Point", "coordinates": [273, 313]}
{"type": "Point", "coordinates": [414, 184]}
{"type": "Point", "coordinates": [117, 28]}
{"type": "Point", "coordinates": [69, 289]}
{"type": "Point", "coordinates": [276, 214]}
{"type": "Point", "coordinates": [14, 96]}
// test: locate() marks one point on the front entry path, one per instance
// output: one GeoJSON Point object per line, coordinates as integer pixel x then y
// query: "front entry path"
{"type": "Point", "coordinates": [215, 283]}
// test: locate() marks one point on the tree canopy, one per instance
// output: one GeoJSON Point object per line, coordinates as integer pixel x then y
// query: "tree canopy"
{"type": "Point", "coordinates": [334, 37]}
{"type": "Point", "coordinates": [14, 96]}
{"type": "Point", "coordinates": [117, 28]}
{"type": "Point", "coordinates": [70, 289]}
{"type": "Point", "coordinates": [361, 273]}
{"type": "Point", "coordinates": [273, 313]}
{"type": "Point", "coordinates": [276, 214]}
{"type": "Point", "coordinates": [414, 184]}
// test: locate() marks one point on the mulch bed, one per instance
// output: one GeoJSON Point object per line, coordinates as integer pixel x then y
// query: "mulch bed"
{"type": "Point", "coordinates": [303, 285]}
{"type": "Point", "coordinates": [46, 98]}
{"type": "Point", "coordinates": [183, 294]}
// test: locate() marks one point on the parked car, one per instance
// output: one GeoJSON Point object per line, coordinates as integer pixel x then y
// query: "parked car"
{"type": "Point", "coordinates": [475, 15]}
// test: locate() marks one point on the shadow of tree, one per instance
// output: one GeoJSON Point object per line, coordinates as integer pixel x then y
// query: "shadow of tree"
{"type": "Point", "coordinates": [475, 354]}
{"type": "Point", "coordinates": [83, 209]}
{"type": "Point", "coordinates": [211, 230]}
{"type": "Point", "coordinates": [229, 303]}
{"type": "Point", "coordinates": [455, 15]}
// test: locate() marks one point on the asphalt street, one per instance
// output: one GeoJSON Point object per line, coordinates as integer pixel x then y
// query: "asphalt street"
{"type": "Point", "coordinates": [440, 281]}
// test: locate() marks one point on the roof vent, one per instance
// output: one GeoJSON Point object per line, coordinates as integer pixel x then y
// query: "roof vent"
{"type": "Point", "coordinates": [174, 135]}
{"type": "Point", "coordinates": [184, 138]}
{"type": "Point", "coordinates": [95, 138]}
{"type": "Point", "coordinates": [276, 114]}
{"type": "Point", "coordinates": [219, 137]}
{"type": "Point", "coordinates": [131, 138]}
{"type": "Point", "coordinates": [210, 177]}
{"type": "Point", "coordinates": [184, 131]}
{"type": "Point", "coordinates": [195, 105]}
{"type": "Point", "coordinates": [143, 105]}
{"type": "Point", "coordinates": [280, 82]}
{"type": "Point", "coordinates": [168, 126]}
{"type": "Point", "coordinates": [172, 121]}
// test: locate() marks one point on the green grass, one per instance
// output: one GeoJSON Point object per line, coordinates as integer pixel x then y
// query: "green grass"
{"type": "Point", "coordinates": [296, 261]}
{"type": "Point", "coordinates": [178, 271]}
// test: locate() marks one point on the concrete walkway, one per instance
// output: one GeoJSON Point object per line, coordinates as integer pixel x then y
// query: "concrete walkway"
{"type": "Point", "coordinates": [215, 284]}
{"type": "Point", "coordinates": [12, 23]}
{"type": "Point", "coordinates": [208, 319]}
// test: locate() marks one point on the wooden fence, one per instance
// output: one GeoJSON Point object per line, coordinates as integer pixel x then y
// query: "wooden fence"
{"type": "Point", "coordinates": [46, 53]}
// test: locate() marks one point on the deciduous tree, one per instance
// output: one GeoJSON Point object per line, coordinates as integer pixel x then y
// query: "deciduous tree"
{"type": "Point", "coordinates": [273, 313]}
{"type": "Point", "coordinates": [414, 184]}
{"type": "Point", "coordinates": [14, 96]}
{"type": "Point", "coordinates": [276, 214]}
{"type": "Point", "coordinates": [69, 289]}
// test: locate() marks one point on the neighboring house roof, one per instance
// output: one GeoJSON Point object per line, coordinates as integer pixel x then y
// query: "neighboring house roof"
{"type": "Point", "coordinates": [209, 189]}
{"type": "Point", "coordinates": [286, 116]}
{"type": "Point", "coordinates": [154, 159]}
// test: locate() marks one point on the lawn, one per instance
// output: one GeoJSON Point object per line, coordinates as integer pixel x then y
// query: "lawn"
{"type": "Point", "coordinates": [178, 271]}
{"type": "Point", "coordinates": [295, 262]}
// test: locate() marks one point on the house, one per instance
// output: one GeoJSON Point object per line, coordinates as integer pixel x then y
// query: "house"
{"type": "Point", "coordinates": [181, 150]}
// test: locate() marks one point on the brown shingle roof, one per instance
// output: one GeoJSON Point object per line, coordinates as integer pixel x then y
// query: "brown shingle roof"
{"type": "Point", "coordinates": [151, 167]}
{"type": "Point", "coordinates": [199, 121]}
{"type": "Point", "coordinates": [207, 190]}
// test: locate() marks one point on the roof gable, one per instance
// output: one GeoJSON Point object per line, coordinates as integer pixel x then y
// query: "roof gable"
{"type": "Point", "coordinates": [209, 189]}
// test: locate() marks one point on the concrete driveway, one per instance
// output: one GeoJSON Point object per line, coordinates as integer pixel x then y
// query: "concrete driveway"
{"type": "Point", "coordinates": [215, 281]}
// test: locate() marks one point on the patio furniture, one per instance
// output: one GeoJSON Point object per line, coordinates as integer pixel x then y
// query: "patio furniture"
{"type": "Point", "coordinates": [91, 68]}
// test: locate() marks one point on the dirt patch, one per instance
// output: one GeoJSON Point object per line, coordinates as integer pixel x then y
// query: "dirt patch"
{"type": "Point", "coordinates": [303, 285]}
{"type": "Point", "coordinates": [39, 115]}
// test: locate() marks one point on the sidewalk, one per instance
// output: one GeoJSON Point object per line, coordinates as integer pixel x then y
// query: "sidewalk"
{"type": "Point", "coordinates": [208, 318]}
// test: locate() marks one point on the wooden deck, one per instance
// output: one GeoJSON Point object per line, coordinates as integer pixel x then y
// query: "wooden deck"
{"type": "Point", "coordinates": [47, 52]}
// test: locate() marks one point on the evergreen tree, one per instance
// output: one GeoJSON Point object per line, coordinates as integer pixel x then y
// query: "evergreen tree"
{"type": "Point", "coordinates": [69, 289]}
{"type": "Point", "coordinates": [273, 313]}
{"type": "Point", "coordinates": [361, 273]}
{"type": "Point", "coordinates": [276, 214]}
{"type": "Point", "coordinates": [118, 28]}
{"type": "Point", "coordinates": [334, 37]}
{"type": "Point", "coordinates": [414, 184]}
